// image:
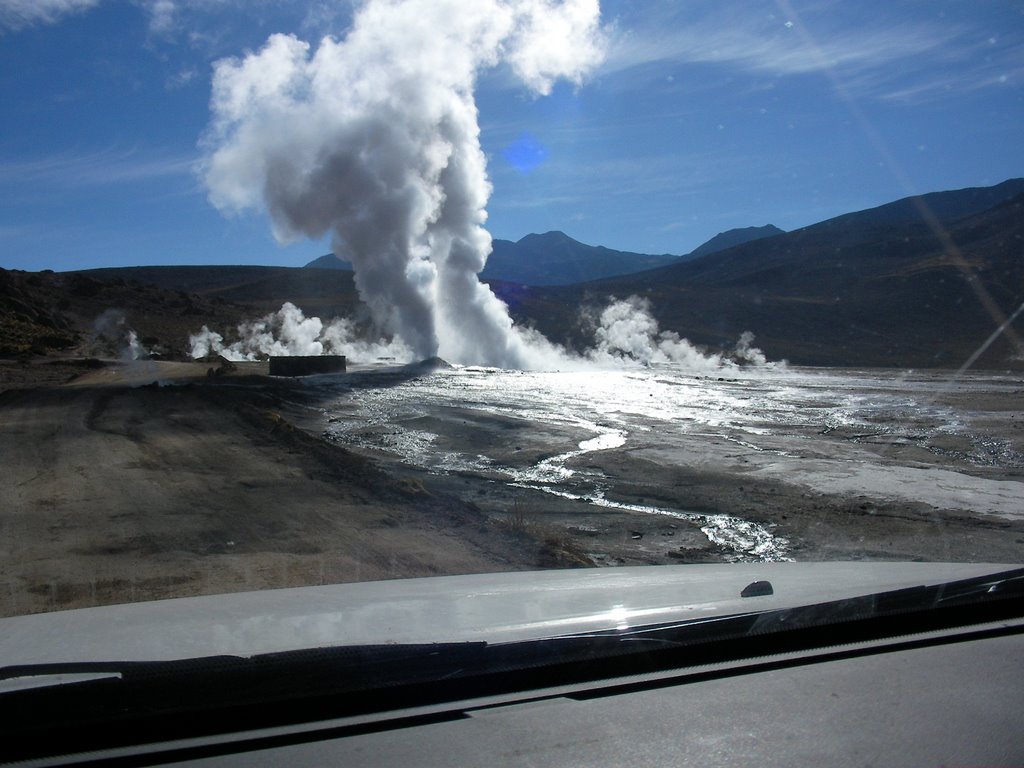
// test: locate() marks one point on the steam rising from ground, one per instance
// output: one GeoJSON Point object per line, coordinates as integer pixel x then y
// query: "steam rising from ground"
{"type": "Point", "coordinates": [374, 140]}
{"type": "Point", "coordinates": [111, 335]}
{"type": "Point", "coordinates": [625, 332]}
{"type": "Point", "coordinates": [628, 330]}
{"type": "Point", "coordinates": [289, 332]}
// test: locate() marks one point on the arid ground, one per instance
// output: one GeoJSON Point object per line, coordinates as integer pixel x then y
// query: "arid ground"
{"type": "Point", "coordinates": [150, 480]}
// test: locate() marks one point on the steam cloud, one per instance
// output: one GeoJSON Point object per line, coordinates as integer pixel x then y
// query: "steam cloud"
{"type": "Point", "coordinates": [374, 140]}
{"type": "Point", "coordinates": [289, 332]}
{"type": "Point", "coordinates": [627, 331]}
{"type": "Point", "coordinates": [111, 335]}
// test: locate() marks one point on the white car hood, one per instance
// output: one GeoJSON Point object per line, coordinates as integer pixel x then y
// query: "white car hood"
{"type": "Point", "coordinates": [492, 607]}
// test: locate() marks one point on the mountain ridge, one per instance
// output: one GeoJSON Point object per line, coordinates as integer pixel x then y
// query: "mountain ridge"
{"type": "Point", "coordinates": [555, 258]}
{"type": "Point", "coordinates": [854, 290]}
{"type": "Point", "coordinates": [730, 238]}
{"type": "Point", "coordinates": [889, 286]}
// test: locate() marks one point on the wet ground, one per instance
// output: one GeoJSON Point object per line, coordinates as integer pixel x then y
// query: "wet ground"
{"type": "Point", "coordinates": [658, 464]}
{"type": "Point", "coordinates": [137, 482]}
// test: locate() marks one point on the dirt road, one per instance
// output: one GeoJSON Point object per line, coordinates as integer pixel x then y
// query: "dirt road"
{"type": "Point", "coordinates": [113, 491]}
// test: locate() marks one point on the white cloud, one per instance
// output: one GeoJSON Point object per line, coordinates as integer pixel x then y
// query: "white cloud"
{"type": "Point", "coordinates": [170, 18]}
{"type": "Point", "coordinates": [875, 55]}
{"type": "Point", "coordinates": [18, 14]}
{"type": "Point", "coordinates": [327, 17]}
{"type": "Point", "coordinates": [99, 168]}
{"type": "Point", "coordinates": [771, 48]}
{"type": "Point", "coordinates": [991, 73]}
{"type": "Point", "coordinates": [162, 16]}
{"type": "Point", "coordinates": [181, 78]}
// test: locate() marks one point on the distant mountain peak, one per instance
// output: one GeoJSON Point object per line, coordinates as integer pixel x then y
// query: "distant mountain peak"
{"type": "Point", "coordinates": [555, 258]}
{"type": "Point", "coordinates": [554, 234]}
{"type": "Point", "coordinates": [329, 261]}
{"type": "Point", "coordinates": [731, 238]}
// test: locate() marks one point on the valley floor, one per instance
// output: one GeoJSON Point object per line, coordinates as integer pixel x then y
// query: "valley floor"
{"type": "Point", "coordinates": [155, 480]}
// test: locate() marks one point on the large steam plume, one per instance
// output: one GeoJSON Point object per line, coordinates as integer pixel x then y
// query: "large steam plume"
{"type": "Point", "coordinates": [373, 139]}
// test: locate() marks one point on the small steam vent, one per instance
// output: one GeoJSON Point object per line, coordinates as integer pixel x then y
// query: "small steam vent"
{"type": "Point", "coordinates": [302, 365]}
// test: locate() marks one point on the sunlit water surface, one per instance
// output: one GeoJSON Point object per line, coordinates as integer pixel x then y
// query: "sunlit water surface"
{"type": "Point", "coordinates": [756, 410]}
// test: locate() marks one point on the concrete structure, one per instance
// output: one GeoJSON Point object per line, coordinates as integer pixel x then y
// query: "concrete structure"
{"type": "Point", "coordinates": [306, 365]}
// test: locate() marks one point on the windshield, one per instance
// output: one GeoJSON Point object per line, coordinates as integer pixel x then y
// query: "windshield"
{"type": "Point", "coordinates": [314, 293]}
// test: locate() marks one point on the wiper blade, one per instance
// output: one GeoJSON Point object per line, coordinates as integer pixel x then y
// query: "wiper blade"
{"type": "Point", "coordinates": [147, 701]}
{"type": "Point", "coordinates": [385, 664]}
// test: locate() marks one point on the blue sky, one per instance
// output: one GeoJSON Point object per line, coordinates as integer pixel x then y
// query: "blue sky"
{"type": "Point", "coordinates": [705, 115]}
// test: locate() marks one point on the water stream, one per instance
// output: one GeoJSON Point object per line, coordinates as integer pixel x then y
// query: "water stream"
{"type": "Point", "coordinates": [766, 416]}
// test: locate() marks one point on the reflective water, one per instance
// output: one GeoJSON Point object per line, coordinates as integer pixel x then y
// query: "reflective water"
{"type": "Point", "coordinates": [532, 429]}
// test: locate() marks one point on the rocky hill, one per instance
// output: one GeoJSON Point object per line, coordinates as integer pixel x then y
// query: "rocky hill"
{"type": "Point", "coordinates": [918, 282]}
{"type": "Point", "coordinates": [873, 288]}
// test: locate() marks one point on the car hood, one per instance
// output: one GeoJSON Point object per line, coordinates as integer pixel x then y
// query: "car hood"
{"type": "Point", "coordinates": [499, 607]}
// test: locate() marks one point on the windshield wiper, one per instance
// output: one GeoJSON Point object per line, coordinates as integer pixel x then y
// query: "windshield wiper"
{"type": "Point", "coordinates": [141, 702]}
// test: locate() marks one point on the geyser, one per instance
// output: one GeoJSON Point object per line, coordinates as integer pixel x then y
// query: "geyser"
{"type": "Point", "coordinates": [374, 140]}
